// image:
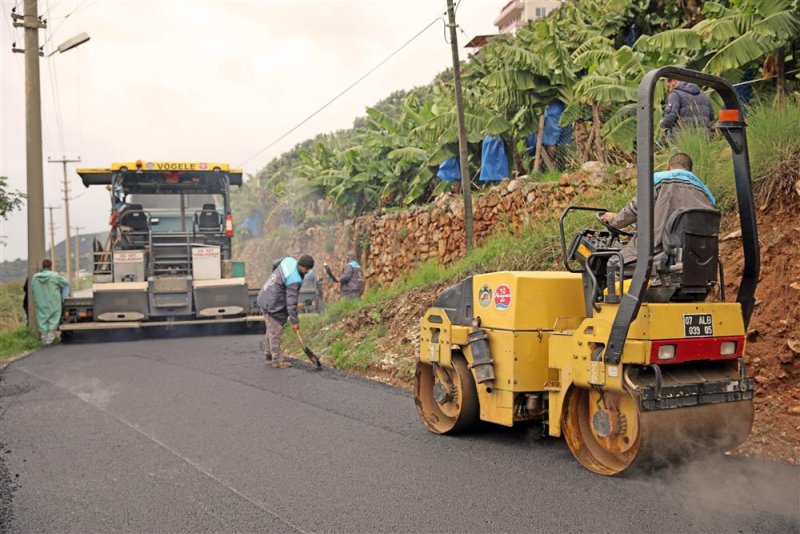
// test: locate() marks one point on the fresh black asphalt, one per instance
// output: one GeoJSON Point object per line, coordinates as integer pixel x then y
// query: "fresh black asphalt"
{"type": "Point", "coordinates": [199, 434]}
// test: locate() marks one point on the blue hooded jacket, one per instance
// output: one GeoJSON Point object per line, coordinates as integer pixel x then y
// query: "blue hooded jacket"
{"type": "Point", "coordinates": [280, 293]}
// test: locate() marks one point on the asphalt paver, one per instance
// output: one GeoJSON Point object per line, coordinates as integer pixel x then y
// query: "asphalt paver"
{"type": "Point", "coordinates": [200, 434]}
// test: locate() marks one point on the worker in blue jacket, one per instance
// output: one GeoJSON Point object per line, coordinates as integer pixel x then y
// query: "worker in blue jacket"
{"type": "Point", "coordinates": [351, 281]}
{"type": "Point", "coordinates": [674, 189]}
{"type": "Point", "coordinates": [278, 302]}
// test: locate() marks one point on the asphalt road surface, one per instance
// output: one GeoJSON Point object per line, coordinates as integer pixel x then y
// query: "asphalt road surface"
{"type": "Point", "coordinates": [199, 434]}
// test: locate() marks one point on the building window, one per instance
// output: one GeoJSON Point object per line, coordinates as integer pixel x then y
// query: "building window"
{"type": "Point", "coordinates": [540, 12]}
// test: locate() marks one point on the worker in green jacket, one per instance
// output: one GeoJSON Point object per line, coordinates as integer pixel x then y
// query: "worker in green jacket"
{"type": "Point", "coordinates": [49, 288]}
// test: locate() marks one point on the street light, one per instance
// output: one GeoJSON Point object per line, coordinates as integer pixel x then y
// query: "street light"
{"type": "Point", "coordinates": [71, 43]}
{"type": "Point", "coordinates": [32, 23]}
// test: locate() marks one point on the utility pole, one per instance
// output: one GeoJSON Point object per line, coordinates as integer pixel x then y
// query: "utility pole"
{"type": "Point", "coordinates": [466, 182]}
{"type": "Point", "coordinates": [64, 162]}
{"type": "Point", "coordinates": [31, 23]}
{"type": "Point", "coordinates": [77, 252]}
{"type": "Point", "coordinates": [52, 236]}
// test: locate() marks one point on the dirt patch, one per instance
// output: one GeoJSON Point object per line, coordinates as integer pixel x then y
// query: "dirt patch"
{"type": "Point", "coordinates": [397, 348]}
{"type": "Point", "coordinates": [773, 348]}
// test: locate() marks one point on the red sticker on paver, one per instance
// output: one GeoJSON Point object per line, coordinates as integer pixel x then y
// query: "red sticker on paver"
{"type": "Point", "coordinates": [502, 297]}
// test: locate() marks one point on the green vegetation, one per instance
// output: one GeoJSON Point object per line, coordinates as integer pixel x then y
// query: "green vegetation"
{"type": "Point", "coordinates": [11, 314]}
{"type": "Point", "coordinates": [774, 143]}
{"type": "Point", "coordinates": [15, 337]}
{"type": "Point", "coordinates": [17, 341]}
{"type": "Point", "coordinates": [359, 355]}
{"type": "Point", "coordinates": [10, 201]}
{"type": "Point", "coordinates": [773, 136]}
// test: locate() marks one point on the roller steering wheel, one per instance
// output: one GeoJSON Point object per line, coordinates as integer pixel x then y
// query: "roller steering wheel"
{"type": "Point", "coordinates": [612, 229]}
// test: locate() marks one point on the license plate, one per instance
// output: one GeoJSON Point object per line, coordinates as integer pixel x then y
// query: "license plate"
{"type": "Point", "coordinates": [698, 325]}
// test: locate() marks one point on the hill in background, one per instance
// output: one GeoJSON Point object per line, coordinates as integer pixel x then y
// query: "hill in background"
{"type": "Point", "coordinates": [17, 269]}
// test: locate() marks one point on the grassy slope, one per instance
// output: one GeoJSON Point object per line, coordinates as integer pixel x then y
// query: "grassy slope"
{"type": "Point", "coordinates": [533, 247]}
{"type": "Point", "coordinates": [16, 342]}
{"type": "Point", "coordinates": [15, 338]}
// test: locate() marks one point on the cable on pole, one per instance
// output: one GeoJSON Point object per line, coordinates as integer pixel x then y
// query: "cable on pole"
{"type": "Point", "coordinates": [64, 19]}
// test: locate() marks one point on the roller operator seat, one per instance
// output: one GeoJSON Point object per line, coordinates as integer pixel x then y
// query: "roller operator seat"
{"type": "Point", "coordinates": [690, 254]}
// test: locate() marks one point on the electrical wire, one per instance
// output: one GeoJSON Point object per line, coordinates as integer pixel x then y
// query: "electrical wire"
{"type": "Point", "coordinates": [79, 96]}
{"type": "Point", "coordinates": [64, 19]}
{"type": "Point", "coordinates": [58, 3]}
{"type": "Point", "coordinates": [55, 93]}
{"type": "Point", "coordinates": [47, 10]}
{"type": "Point", "coordinates": [60, 114]}
{"type": "Point", "coordinates": [89, 6]}
{"type": "Point", "coordinates": [342, 93]}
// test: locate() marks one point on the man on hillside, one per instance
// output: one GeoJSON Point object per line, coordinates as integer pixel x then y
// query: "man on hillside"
{"type": "Point", "coordinates": [278, 302]}
{"type": "Point", "coordinates": [687, 107]}
{"type": "Point", "coordinates": [351, 281]}
{"type": "Point", "coordinates": [48, 288]}
{"type": "Point", "coordinates": [676, 188]}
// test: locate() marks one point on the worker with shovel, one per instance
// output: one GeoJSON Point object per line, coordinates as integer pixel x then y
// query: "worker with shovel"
{"type": "Point", "coordinates": [278, 302]}
{"type": "Point", "coordinates": [351, 281]}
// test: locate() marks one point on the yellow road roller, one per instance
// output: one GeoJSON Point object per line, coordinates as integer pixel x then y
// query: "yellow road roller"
{"type": "Point", "coordinates": [634, 369]}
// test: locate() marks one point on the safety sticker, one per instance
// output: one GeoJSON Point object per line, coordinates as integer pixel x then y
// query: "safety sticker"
{"type": "Point", "coordinates": [485, 296]}
{"type": "Point", "coordinates": [502, 297]}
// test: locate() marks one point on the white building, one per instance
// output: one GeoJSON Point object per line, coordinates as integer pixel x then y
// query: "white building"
{"type": "Point", "coordinates": [518, 12]}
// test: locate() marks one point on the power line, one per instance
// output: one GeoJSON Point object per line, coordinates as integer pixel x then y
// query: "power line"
{"type": "Point", "coordinates": [63, 20]}
{"type": "Point", "coordinates": [52, 70]}
{"type": "Point", "coordinates": [55, 5]}
{"type": "Point", "coordinates": [56, 105]}
{"type": "Point", "coordinates": [60, 116]}
{"type": "Point", "coordinates": [90, 6]}
{"type": "Point", "coordinates": [342, 93]}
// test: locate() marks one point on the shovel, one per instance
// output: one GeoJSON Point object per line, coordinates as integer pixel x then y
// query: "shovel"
{"type": "Point", "coordinates": [311, 356]}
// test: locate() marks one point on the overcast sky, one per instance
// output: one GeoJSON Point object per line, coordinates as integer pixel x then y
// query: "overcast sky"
{"type": "Point", "coordinates": [203, 80]}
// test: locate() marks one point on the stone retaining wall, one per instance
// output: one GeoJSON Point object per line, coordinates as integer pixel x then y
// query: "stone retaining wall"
{"type": "Point", "coordinates": [390, 244]}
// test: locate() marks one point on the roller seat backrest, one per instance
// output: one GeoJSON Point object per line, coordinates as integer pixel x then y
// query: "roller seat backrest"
{"type": "Point", "coordinates": [691, 238]}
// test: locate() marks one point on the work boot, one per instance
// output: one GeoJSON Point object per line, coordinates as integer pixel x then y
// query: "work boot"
{"type": "Point", "coordinates": [281, 364]}
{"type": "Point", "coordinates": [268, 356]}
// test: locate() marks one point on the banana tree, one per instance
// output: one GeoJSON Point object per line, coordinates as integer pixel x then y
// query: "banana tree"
{"type": "Point", "coordinates": [734, 35]}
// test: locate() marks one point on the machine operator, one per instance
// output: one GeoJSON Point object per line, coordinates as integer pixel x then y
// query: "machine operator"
{"type": "Point", "coordinates": [674, 189]}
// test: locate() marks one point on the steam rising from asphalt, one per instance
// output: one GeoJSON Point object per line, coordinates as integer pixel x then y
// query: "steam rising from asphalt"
{"type": "Point", "coordinates": [719, 491]}
{"type": "Point", "coordinates": [89, 390]}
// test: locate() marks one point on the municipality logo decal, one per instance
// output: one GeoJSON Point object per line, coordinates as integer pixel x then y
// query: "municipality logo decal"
{"type": "Point", "coordinates": [485, 296]}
